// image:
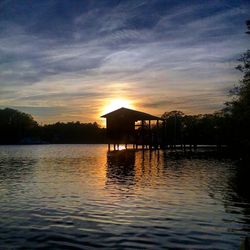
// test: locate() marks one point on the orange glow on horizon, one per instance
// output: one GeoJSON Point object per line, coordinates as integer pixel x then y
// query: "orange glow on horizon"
{"type": "Point", "coordinates": [114, 104]}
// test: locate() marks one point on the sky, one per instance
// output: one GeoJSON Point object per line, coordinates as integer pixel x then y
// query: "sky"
{"type": "Point", "coordinates": [74, 60]}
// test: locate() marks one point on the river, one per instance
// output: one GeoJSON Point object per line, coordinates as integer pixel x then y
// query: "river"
{"type": "Point", "coordinates": [82, 197]}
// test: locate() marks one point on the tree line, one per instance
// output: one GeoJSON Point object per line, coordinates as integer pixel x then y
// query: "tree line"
{"type": "Point", "coordinates": [193, 130]}
{"type": "Point", "coordinates": [229, 126]}
{"type": "Point", "coordinates": [188, 130]}
{"type": "Point", "coordinates": [20, 128]}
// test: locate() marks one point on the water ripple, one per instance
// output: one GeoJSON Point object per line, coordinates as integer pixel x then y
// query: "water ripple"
{"type": "Point", "coordinates": [80, 197]}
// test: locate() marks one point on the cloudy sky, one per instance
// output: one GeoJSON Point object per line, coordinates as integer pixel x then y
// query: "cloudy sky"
{"type": "Point", "coordinates": [67, 60]}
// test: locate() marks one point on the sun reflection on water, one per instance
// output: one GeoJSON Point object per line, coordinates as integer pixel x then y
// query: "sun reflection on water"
{"type": "Point", "coordinates": [85, 192]}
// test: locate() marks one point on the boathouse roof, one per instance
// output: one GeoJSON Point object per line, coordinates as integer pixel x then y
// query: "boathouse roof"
{"type": "Point", "coordinates": [131, 114]}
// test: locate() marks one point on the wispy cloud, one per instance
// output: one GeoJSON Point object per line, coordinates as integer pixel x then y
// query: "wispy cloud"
{"type": "Point", "coordinates": [161, 54]}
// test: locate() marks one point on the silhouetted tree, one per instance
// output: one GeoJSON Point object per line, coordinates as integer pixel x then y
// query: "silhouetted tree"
{"type": "Point", "coordinates": [206, 129]}
{"type": "Point", "coordinates": [174, 127]}
{"type": "Point", "coordinates": [73, 132]}
{"type": "Point", "coordinates": [20, 128]}
{"type": "Point", "coordinates": [15, 126]}
{"type": "Point", "coordinates": [239, 108]}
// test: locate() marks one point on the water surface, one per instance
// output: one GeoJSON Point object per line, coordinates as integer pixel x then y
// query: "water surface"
{"type": "Point", "coordinates": [80, 197]}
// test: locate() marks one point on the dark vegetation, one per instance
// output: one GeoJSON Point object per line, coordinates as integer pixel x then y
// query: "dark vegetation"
{"type": "Point", "coordinates": [73, 132]}
{"type": "Point", "coordinates": [15, 126]}
{"type": "Point", "coordinates": [20, 128]}
{"type": "Point", "coordinates": [229, 127]}
{"type": "Point", "coordinates": [193, 130]}
{"type": "Point", "coordinates": [238, 109]}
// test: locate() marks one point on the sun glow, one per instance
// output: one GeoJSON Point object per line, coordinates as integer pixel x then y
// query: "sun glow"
{"type": "Point", "coordinates": [116, 104]}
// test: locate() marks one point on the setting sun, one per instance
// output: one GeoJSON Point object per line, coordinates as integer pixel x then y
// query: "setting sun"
{"type": "Point", "coordinates": [116, 104]}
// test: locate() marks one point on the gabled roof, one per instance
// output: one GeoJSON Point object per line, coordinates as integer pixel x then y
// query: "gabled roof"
{"type": "Point", "coordinates": [131, 114]}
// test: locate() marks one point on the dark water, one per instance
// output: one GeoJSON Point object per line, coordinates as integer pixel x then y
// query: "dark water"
{"type": "Point", "coordinates": [80, 197]}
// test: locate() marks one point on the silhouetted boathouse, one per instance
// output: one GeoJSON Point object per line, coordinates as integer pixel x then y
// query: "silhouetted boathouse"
{"type": "Point", "coordinates": [127, 126]}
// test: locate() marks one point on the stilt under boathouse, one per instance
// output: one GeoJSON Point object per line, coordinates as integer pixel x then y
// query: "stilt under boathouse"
{"type": "Point", "coordinates": [131, 127]}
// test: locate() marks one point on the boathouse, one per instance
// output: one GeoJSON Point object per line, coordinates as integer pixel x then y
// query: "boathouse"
{"type": "Point", "coordinates": [127, 126]}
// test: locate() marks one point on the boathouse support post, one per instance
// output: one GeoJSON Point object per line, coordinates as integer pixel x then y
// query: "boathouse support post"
{"type": "Point", "coordinates": [150, 134]}
{"type": "Point", "coordinates": [164, 134]}
{"type": "Point", "coordinates": [157, 135]}
{"type": "Point", "coordinates": [142, 133]}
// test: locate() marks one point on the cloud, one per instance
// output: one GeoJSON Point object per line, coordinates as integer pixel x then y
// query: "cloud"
{"type": "Point", "coordinates": [79, 54]}
{"type": "Point", "coordinates": [195, 103]}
